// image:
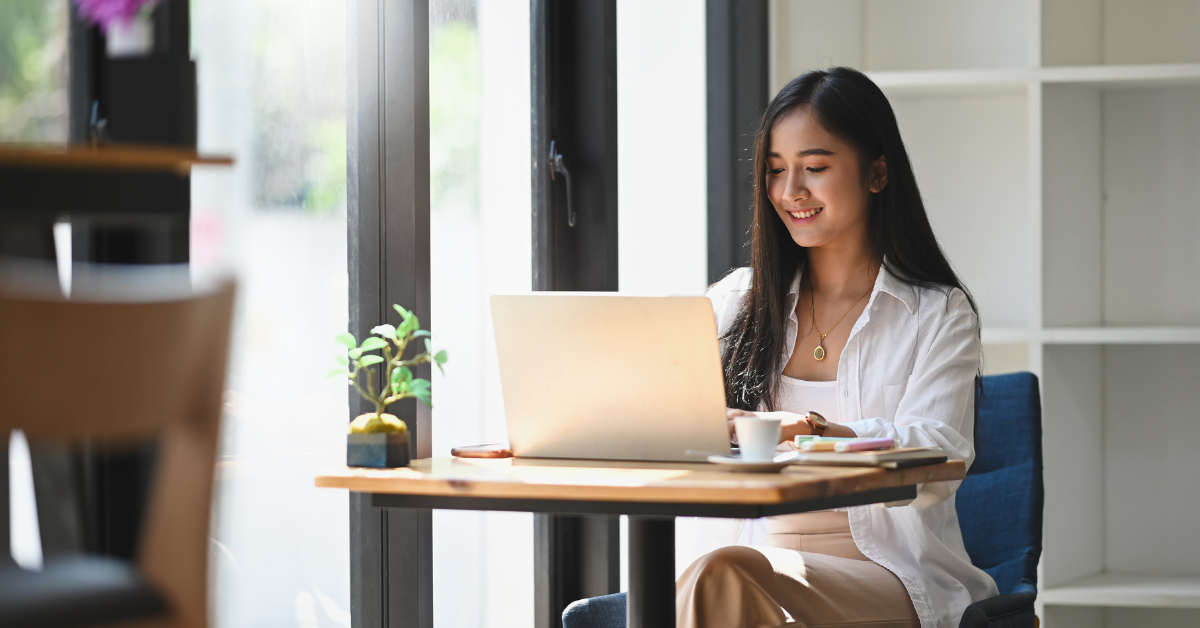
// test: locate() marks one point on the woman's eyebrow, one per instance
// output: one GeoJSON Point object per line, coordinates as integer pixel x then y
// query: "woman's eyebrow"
{"type": "Point", "coordinates": [805, 153]}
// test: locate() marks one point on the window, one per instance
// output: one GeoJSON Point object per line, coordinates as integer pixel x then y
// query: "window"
{"type": "Point", "coordinates": [480, 245]}
{"type": "Point", "coordinates": [33, 71]}
{"type": "Point", "coordinates": [272, 92]}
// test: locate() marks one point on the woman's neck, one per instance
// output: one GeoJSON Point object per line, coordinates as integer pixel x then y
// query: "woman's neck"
{"type": "Point", "coordinates": [839, 272]}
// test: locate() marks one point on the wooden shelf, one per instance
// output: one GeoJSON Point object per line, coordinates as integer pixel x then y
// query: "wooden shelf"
{"type": "Point", "coordinates": [1127, 590]}
{"type": "Point", "coordinates": [1093, 335]}
{"type": "Point", "coordinates": [110, 157]}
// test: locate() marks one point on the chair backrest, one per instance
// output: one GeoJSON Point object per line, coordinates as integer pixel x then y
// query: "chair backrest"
{"type": "Point", "coordinates": [1000, 501]}
{"type": "Point", "coordinates": [129, 372]}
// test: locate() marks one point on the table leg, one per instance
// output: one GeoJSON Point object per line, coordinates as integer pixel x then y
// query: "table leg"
{"type": "Point", "coordinates": [651, 602]}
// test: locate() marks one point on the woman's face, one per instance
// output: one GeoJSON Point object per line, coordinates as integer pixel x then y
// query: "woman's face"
{"type": "Point", "coordinates": [815, 182]}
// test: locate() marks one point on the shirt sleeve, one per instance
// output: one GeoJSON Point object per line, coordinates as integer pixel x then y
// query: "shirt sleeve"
{"type": "Point", "coordinates": [937, 409]}
{"type": "Point", "coordinates": [726, 296]}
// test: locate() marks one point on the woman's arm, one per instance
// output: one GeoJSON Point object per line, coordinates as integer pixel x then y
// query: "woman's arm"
{"type": "Point", "coordinates": [793, 424]}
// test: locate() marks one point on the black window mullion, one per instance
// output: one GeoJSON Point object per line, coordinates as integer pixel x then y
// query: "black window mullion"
{"type": "Point", "coordinates": [391, 555]}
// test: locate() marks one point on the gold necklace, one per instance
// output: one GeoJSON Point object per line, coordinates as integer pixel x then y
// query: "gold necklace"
{"type": "Point", "coordinates": [819, 352]}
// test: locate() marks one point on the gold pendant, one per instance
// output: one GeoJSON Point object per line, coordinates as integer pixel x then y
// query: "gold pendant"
{"type": "Point", "coordinates": [819, 352]}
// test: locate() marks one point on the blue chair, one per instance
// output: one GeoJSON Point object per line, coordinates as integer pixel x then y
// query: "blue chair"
{"type": "Point", "coordinates": [999, 510]}
{"type": "Point", "coordinates": [1000, 501]}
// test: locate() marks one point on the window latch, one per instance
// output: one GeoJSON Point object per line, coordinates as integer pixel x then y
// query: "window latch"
{"type": "Point", "coordinates": [557, 167]}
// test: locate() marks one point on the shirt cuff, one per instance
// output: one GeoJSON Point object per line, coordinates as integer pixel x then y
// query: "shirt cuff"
{"type": "Point", "coordinates": [871, 428]}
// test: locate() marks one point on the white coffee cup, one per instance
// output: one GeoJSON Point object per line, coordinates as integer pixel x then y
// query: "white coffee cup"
{"type": "Point", "coordinates": [757, 437]}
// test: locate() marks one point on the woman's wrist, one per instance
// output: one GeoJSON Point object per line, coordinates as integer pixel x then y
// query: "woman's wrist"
{"type": "Point", "coordinates": [790, 431]}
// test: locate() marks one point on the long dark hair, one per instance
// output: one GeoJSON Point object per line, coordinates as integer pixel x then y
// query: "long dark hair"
{"type": "Point", "coordinates": [853, 108]}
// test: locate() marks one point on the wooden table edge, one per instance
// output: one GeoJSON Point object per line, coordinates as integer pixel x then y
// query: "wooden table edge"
{"type": "Point", "coordinates": [376, 481]}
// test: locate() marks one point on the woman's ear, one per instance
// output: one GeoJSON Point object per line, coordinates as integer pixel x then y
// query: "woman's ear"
{"type": "Point", "coordinates": [879, 174]}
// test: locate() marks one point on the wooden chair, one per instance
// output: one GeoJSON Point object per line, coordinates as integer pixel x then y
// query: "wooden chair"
{"type": "Point", "coordinates": [121, 373]}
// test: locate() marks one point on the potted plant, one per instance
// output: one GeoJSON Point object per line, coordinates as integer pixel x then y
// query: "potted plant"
{"type": "Point", "coordinates": [128, 31]}
{"type": "Point", "coordinates": [379, 439]}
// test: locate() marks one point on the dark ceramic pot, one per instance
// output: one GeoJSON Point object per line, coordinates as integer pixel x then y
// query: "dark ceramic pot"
{"type": "Point", "coordinates": [380, 451]}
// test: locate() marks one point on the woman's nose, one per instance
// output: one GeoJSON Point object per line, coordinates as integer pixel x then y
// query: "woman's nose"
{"type": "Point", "coordinates": [795, 190]}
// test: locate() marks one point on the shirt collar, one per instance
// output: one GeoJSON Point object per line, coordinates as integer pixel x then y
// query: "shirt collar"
{"type": "Point", "coordinates": [885, 282]}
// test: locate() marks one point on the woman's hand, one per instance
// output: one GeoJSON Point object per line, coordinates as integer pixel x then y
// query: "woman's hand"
{"type": "Point", "coordinates": [791, 424]}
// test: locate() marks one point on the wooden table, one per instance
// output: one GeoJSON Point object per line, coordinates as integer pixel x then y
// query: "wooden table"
{"type": "Point", "coordinates": [652, 494]}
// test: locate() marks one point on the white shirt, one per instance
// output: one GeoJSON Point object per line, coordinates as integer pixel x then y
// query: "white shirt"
{"type": "Point", "coordinates": [800, 396]}
{"type": "Point", "coordinates": [907, 372]}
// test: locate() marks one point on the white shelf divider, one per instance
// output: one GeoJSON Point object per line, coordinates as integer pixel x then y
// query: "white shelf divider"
{"type": "Point", "coordinates": [934, 81]}
{"type": "Point", "coordinates": [1153, 75]}
{"type": "Point", "coordinates": [1093, 335]}
{"type": "Point", "coordinates": [1120, 335]}
{"type": "Point", "coordinates": [1150, 591]}
{"type": "Point", "coordinates": [1006, 79]}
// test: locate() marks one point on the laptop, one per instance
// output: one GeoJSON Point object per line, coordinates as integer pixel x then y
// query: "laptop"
{"type": "Point", "coordinates": [605, 376]}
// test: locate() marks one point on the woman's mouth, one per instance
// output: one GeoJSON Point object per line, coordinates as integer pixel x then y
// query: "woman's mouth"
{"type": "Point", "coordinates": [804, 215]}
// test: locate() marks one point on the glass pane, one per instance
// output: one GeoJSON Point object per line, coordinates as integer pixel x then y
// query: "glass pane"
{"type": "Point", "coordinates": [272, 92]}
{"type": "Point", "coordinates": [33, 71]}
{"type": "Point", "coordinates": [480, 231]}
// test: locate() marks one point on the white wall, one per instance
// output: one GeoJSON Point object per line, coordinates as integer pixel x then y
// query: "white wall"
{"type": "Point", "coordinates": [661, 147]}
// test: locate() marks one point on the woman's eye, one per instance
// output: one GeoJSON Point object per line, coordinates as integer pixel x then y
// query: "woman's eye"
{"type": "Point", "coordinates": [817, 170]}
{"type": "Point", "coordinates": [775, 171]}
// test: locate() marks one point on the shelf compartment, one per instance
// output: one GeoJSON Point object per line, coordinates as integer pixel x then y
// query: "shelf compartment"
{"type": "Point", "coordinates": [977, 201]}
{"type": "Point", "coordinates": [1136, 590]}
{"type": "Point", "coordinates": [1119, 208]}
{"type": "Point", "coordinates": [1114, 32]}
{"type": "Point", "coordinates": [897, 35]}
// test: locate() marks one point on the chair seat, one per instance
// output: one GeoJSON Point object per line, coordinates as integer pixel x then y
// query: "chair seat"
{"type": "Point", "coordinates": [75, 591]}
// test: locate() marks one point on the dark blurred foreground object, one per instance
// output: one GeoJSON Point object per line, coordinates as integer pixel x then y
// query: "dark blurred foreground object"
{"type": "Point", "coordinates": [122, 374]}
{"type": "Point", "coordinates": [999, 510]}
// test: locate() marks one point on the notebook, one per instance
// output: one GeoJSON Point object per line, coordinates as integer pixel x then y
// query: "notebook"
{"type": "Point", "coordinates": [886, 458]}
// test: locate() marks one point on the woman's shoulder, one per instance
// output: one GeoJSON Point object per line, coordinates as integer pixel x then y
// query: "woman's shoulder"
{"type": "Point", "coordinates": [736, 280]}
{"type": "Point", "coordinates": [727, 294]}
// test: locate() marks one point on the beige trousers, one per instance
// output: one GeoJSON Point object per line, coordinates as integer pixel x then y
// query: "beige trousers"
{"type": "Point", "coordinates": [811, 571]}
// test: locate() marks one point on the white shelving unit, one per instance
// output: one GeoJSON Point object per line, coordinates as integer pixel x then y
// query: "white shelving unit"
{"type": "Point", "coordinates": [1057, 144]}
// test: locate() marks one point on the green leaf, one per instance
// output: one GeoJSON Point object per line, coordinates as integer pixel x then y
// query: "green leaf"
{"type": "Point", "coordinates": [441, 357]}
{"type": "Point", "coordinates": [407, 327]}
{"type": "Point", "coordinates": [355, 353]}
{"type": "Point", "coordinates": [420, 332]}
{"type": "Point", "coordinates": [402, 374]}
{"type": "Point", "coordinates": [428, 347]}
{"type": "Point", "coordinates": [400, 378]}
{"type": "Point", "coordinates": [336, 372]}
{"type": "Point", "coordinates": [372, 343]}
{"type": "Point", "coordinates": [341, 359]}
{"type": "Point", "coordinates": [387, 331]}
{"type": "Point", "coordinates": [346, 339]}
{"type": "Point", "coordinates": [368, 360]}
{"type": "Point", "coordinates": [403, 312]}
{"type": "Point", "coordinates": [421, 390]}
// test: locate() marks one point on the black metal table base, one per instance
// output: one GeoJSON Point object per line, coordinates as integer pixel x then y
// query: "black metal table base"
{"type": "Point", "coordinates": [651, 601]}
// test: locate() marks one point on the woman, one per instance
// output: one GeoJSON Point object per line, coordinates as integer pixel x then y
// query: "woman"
{"type": "Point", "coordinates": [849, 309]}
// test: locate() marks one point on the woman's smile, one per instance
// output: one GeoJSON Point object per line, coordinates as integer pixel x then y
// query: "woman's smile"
{"type": "Point", "coordinates": [804, 216]}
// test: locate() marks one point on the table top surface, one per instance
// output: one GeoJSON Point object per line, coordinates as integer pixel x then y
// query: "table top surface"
{"type": "Point", "coordinates": [606, 480]}
{"type": "Point", "coordinates": [175, 159]}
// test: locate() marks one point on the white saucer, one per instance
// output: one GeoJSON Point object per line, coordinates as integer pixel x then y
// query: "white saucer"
{"type": "Point", "coordinates": [735, 463]}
